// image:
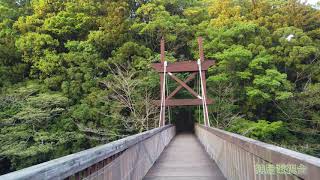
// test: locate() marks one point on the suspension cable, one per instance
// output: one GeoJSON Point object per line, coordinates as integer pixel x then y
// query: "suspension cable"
{"type": "Point", "coordinates": [204, 100]}
{"type": "Point", "coordinates": [163, 94]}
{"type": "Point", "coordinates": [198, 91]}
{"type": "Point", "coordinates": [169, 109]}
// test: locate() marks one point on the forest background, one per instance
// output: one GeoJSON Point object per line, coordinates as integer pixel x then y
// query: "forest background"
{"type": "Point", "coordinates": [76, 73]}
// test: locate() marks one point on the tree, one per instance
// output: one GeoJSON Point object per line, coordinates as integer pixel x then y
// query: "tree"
{"type": "Point", "coordinates": [11, 67]}
{"type": "Point", "coordinates": [154, 21]}
{"type": "Point", "coordinates": [133, 104]}
{"type": "Point", "coordinates": [32, 130]}
{"type": "Point", "coordinates": [87, 63]}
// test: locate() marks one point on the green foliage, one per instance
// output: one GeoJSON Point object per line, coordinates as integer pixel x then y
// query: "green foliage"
{"type": "Point", "coordinates": [11, 68]}
{"type": "Point", "coordinates": [113, 24]}
{"type": "Point", "coordinates": [34, 45]}
{"type": "Point", "coordinates": [132, 53]}
{"type": "Point", "coordinates": [261, 130]}
{"type": "Point", "coordinates": [65, 25]}
{"type": "Point", "coordinates": [154, 21]}
{"type": "Point", "coordinates": [65, 64]}
{"type": "Point", "coordinates": [271, 86]}
{"type": "Point", "coordinates": [28, 123]}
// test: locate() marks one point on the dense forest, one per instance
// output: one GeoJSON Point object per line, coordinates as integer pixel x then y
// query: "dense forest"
{"type": "Point", "coordinates": [76, 73]}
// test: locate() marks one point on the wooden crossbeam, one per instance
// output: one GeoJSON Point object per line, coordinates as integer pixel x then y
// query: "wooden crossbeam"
{"type": "Point", "coordinates": [191, 77]}
{"type": "Point", "coordinates": [183, 66]}
{"type": "Point", "coordinates": [184, 85]}
{"type": "Point", "coordinates": [182, 102]}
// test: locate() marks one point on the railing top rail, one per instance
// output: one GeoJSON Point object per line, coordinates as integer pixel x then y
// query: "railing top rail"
{"type": "Point", "coordinates": [271, 153]}
{"type": "Point", "coordinates": [73, 163]}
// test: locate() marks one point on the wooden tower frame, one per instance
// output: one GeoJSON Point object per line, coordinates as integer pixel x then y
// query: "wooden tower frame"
{"type": "Point", "coordinates": [179, 67]}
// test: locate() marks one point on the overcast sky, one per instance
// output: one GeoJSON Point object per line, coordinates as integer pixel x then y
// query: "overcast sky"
{"type": "Point", "coordinates": [312, 1]}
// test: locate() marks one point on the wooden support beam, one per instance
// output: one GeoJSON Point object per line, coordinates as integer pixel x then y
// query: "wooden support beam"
{"type": "Point", "coordinates": [162, 50]}
{"type": "Point", "coordinates": [183, 66]}
{"type": "Point", "coordinates": [182, 102]}
{"type": "Point", "coordinates": [201, 54]}
{"type": "Point", "coordinates": [184, 85]}
{"type": "Point", "coordinates": [191, 77]}
{"type": "Point", "coordinates": [162, 59]}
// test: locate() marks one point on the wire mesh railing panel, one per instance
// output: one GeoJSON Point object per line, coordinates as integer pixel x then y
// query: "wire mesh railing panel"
{"type": "Point", "coordinates": [135, 162]}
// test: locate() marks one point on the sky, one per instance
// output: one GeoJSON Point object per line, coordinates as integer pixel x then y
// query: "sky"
{"type": "Point", "coordinates": [312, 1]}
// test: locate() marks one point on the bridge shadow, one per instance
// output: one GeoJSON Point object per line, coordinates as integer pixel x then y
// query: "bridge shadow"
{"type": "Point", "coordinates": [184, 120]}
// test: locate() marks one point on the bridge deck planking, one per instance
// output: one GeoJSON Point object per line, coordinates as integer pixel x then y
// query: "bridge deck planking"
{"type": "Point", "coordinates": [184, 159]}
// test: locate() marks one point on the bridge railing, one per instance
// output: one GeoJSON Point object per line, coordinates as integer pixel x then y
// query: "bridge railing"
{"type": "Point", "coordinates": [128, 158]}
{"type": "Point", "coordinates": [243, 158]}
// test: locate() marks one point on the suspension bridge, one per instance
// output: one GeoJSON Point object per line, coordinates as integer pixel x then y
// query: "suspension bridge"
{"type": "Point", "coordinates": [206, 153]}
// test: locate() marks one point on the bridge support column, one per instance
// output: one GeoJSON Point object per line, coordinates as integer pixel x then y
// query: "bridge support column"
{"type": "Point", "coordinates": [193, 67]}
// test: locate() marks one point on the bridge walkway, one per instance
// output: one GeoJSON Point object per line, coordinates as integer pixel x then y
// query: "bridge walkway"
{"type": "Point", "coordinates": [184, 159]}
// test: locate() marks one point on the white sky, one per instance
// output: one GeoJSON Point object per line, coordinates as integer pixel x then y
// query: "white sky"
{"type": "Point", "coordinates": [312, 1]}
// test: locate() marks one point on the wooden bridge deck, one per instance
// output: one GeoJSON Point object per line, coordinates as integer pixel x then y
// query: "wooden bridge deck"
{"type": "Point", "coordinates": [184, 159]}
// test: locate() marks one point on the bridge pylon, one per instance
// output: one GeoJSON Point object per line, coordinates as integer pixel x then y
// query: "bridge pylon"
{"type": "Point", "coordinates": [194, 67]}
